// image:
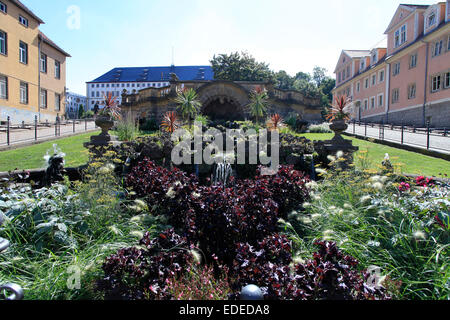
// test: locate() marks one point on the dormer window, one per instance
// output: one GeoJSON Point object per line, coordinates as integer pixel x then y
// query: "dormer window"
{"type": "Point", "coordinates": [400, 36]}
{"type": "Point", "coordinates": [374, 58]}
{"type": "Point", "coordinates": [431, 20]}
{"type": "Point", "coordinates": [362, 66]}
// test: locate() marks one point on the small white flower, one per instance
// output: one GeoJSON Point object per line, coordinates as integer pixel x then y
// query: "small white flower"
{"type": "Point", "coordinates": [332, 208]}
{"type": "Point", "coordinates": [378, 186]}
{"type": "Point", "coordinates": [340, 154]}
{"type": "Point", "coordinates": [347, 206]}
{"type": "Point", "coordinates": [197, 256]}
{"type": "Point", "coordinates": [321, 171]}
{"type": "Point", "coordinates": [331, 158]}
{"type": "Point", "coordinates": [312, 185]}
{"type": "Point", "coordinates": [386, 157]}
{"type": "Point", "coordinates": [114, 230]}
{"type": "Point", "coordinates": [171, 193]}
{"type": "Point", "coordinates": [366, 198]}
{"type": "Point", "coordinates": [419, 235]}
{"type": "Point", "coordinates": [137, 234]}
{"type": "Point", "coordinates": [316, 216]}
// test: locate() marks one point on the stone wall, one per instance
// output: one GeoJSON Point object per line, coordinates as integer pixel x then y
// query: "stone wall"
{"type": "Point", "coordinates": [438, 115]}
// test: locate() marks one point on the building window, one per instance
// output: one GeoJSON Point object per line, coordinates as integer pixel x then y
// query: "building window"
{"type": "Point", "coordinates": [448, 40]}
{"type": "Point", "coordinates": [437, 48]}
{"type": "Point", "coordinates": [23, 21]}
{"type": "Point", "coordinates": [103, 85]}
{"type": "Point", "coordinates": [431, 19]}
{"type": "Point", "coordinates": [366, 82]}
{"type": "Point", "coordinates": [93, 94]}
{"type": "Point", "coordinates": [447, 80]}
{"type": "Point", "coordinates": [381, 75]}
{"type": "Point", "coordinates": [413, 61]}
{"type": "Point", "coordinates": [380, 100]}
{"type": "Point", "coordinates": [374, 79]}
{"type": "Point", "coordinates": [57, 69]}
{"type": "Point", "coordinates": [98, 94]}
{"type": "Point", "coordinates": [363, 65]}
{"type": "Point", "coordinates": [348, 71]}
{"type": "Point", "coordinates": [400, 36]}
{"type": "Point", "coordinates": [396, 70]}
{"type": "Point", "coordinates": [43, 62]}
{"type": "Point", "coordinates": [3, 42]}
{"type": "Point", "coordinates": [435, 83]}
{"type": "Point", "coordinates": [366, 104]}
{"type": "Point", "coordinates": [339, 77]}
{"type": "Point", "coordinates": [43, 99]}
{"type": "Point", "coordinates": [412, 91]}
{"type": "Point", "coordinates": [372, 102]}
{"type": "Point", "coordinates": [57, 102]}
{"type": "Point", "coordinates": [3, 7]}
{"type": "Point", "coordinates": [358, 87]}
{"type": "Point", "coordinates": [3, 87]}
{"type": "Point", "coordinates": [23, 52]}
{"type": "Point", "coordinates": [24, 93]}
{"type": "Point", "coordinates": [395, 95]}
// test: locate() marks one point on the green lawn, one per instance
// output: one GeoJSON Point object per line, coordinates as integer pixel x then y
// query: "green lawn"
{"type": "Point", "coordinates": [414, 163]}
{"type": "Point", "coordinates": [32, 157]}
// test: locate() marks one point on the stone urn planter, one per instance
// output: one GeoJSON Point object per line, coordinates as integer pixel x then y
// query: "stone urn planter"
{"type": "Point", "coordinates": [105, 123]}
{"type": "Point", "coordinates": [338, 127]}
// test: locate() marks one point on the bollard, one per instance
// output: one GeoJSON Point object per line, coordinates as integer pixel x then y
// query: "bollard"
{"type": "Point", "coordinates": [445, 132]}
{"type": "Point", "coordinates": [73, 125]}
{"type": "Point", "coordinates": [7, 130]}
{"type": "Point", "coordinates": [428, 135]}
{"type": "Point", "coordinates": [354, 126]}
{"type": "Point", "coordinates": [35, 127]}
{"type": "Point", "coordinates": [85, 124]}
{"type": "Point", "coordinates": [365, 129]}
{"type": "Point", "coordinates": [403, 132]}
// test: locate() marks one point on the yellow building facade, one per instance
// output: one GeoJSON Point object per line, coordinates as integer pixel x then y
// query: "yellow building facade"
{"type": "Point", "coordinates": [32, 68]}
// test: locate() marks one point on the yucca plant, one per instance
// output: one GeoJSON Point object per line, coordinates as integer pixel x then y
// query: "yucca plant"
{"type": "Point", "coordinates": [259, 101]}
{"type": "Point", "coordinates": [188, 104]}
{"type": "Point", "coordinates": [339, 109]}
{"type": "Point", "coordinates": [170, 122]}
{"type": "Point", "coordinates": [275, 122]}
{"type": "Point", "coordinates": [111, 108]}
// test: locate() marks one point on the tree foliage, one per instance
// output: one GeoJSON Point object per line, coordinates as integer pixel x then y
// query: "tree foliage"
{"type": "Point", "coordinates": [240, 67]}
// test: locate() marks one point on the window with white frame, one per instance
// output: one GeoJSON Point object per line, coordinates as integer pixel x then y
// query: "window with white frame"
{"type": "Point", "coordinates": [3, 7]}
{"type": "Point", "coordinates": [343, 75]}
{"type": "Point", "coordinates": [348, 72]}
{"type": "Point", "coordinates": [380, 100]}
{"type": "Point", "coordinates": [43, 62]}
{"type": "Point", "coordinates": [396, 69]}
{"type": "Point", "coordinates": [23, 52]}
{"type": "Point", "coordinates": [362, 65]}
{"type": "Point", "coordinates": [447, 80]}
{"type": "Point", "coordinates": [3, 87]}
{"type": "Point", "coordinates": [3, 42]}
{"type": "Point", "coordinates": [372, 102]}
{"type": "Point", "coordinates": [374, 58]}
{"type": "Point", "coordinates": [43, 99]}
{"type": "Point", "coordinates": [400, 36]}
{"type": "Point", "coordinates": [413, 61]}
{"type": "Point", "coordinates": [395, 95]}
{"type": "Point", "coordinates": [358, 87]}
{"type": "Point", "coordinates": [412, 91]}
{"type": "Point", "coordinates": [57, 102]}
{"type": "Point", "coordinates": [436, 83]}
{"type": "Point", "coordinates": [23, 21]}
{"type": "Point", "coordinates": [57, 69]}
{"type": "Point", "coordinates": [437, 49]}
{"type": "Point", "coordinates": [366, 83]}
{"type": "Point", "coordinates": [374, 79]}
{"type": "Point", "coordinates": [366, 104]}
{"type": "Point", "coordinates": [381, 75]}
{"type": "Point", "coordinates": [24, 92]}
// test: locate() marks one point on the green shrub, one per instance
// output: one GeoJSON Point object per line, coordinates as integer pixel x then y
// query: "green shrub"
{"type": "Point", "coordinates": [320, 128]}
{"type": "Point", "coordinates": [150, 125]}
{"type": "Point", "coordinates": [127, 130]}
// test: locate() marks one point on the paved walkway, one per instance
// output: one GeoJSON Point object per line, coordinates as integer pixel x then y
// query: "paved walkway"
{"type": "Point", "coordinates": [438, 143]}
{"type": "Point", "coordinates": [20, 136]}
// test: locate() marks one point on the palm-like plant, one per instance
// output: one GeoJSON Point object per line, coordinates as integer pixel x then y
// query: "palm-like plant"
{"type": "Point", "coordinates": [170, 122]}
{"type": "Point", "coordinates": [111, 107]}
{"type": "Point", "coordinates": [259, 101]}
{"type": "Point", "coordinates": [188, 104]}
{"type": "Point", "coordinates": [276, 122]}
{"type": "Point", "coordinates": [339, 109]}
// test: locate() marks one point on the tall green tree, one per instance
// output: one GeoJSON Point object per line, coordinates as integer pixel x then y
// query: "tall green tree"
{"type": "Point", "coordinates": [259, 102]}
{"type": "Point", "coordinates": [319, 75]}
{"type": "Point", "coordinates": [188, 104]}
{"type": "Point", "coordinates": [283, 80]}
{"type": "Point", "coordinates": [240, 67]}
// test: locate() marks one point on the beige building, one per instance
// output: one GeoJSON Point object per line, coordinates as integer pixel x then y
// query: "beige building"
{"type": "Point", "coordinates": [32, 67]}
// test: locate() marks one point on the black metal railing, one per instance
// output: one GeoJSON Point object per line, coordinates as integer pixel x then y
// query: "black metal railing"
{"type": "Point", "coordinates": [9, 132]}
{"type": "Point", "coordinates": [428, 131]}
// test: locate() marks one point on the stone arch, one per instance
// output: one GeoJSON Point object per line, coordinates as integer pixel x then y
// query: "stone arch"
{"type": "Point", "coordinates": [223, 100]}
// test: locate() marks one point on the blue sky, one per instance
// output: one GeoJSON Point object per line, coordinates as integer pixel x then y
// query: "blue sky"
{"type": "Point", "coordinates": [290, 35]}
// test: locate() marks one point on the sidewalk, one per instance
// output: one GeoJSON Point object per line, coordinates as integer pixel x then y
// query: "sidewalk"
{"type": "Point", "coordinates": [438, 143]}
{"type": "Point", "coordinates": [28, 136]}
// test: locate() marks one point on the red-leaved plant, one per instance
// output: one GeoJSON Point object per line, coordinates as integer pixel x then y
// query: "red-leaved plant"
{"type": "Point", "coordinates": [339, 109]}
{"type": "Point", "coordinates": [275, 122]}
{"type": "Point", "coordinates": [111, 107]}
{"type": "Point", "coordinates": [170, 122]}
